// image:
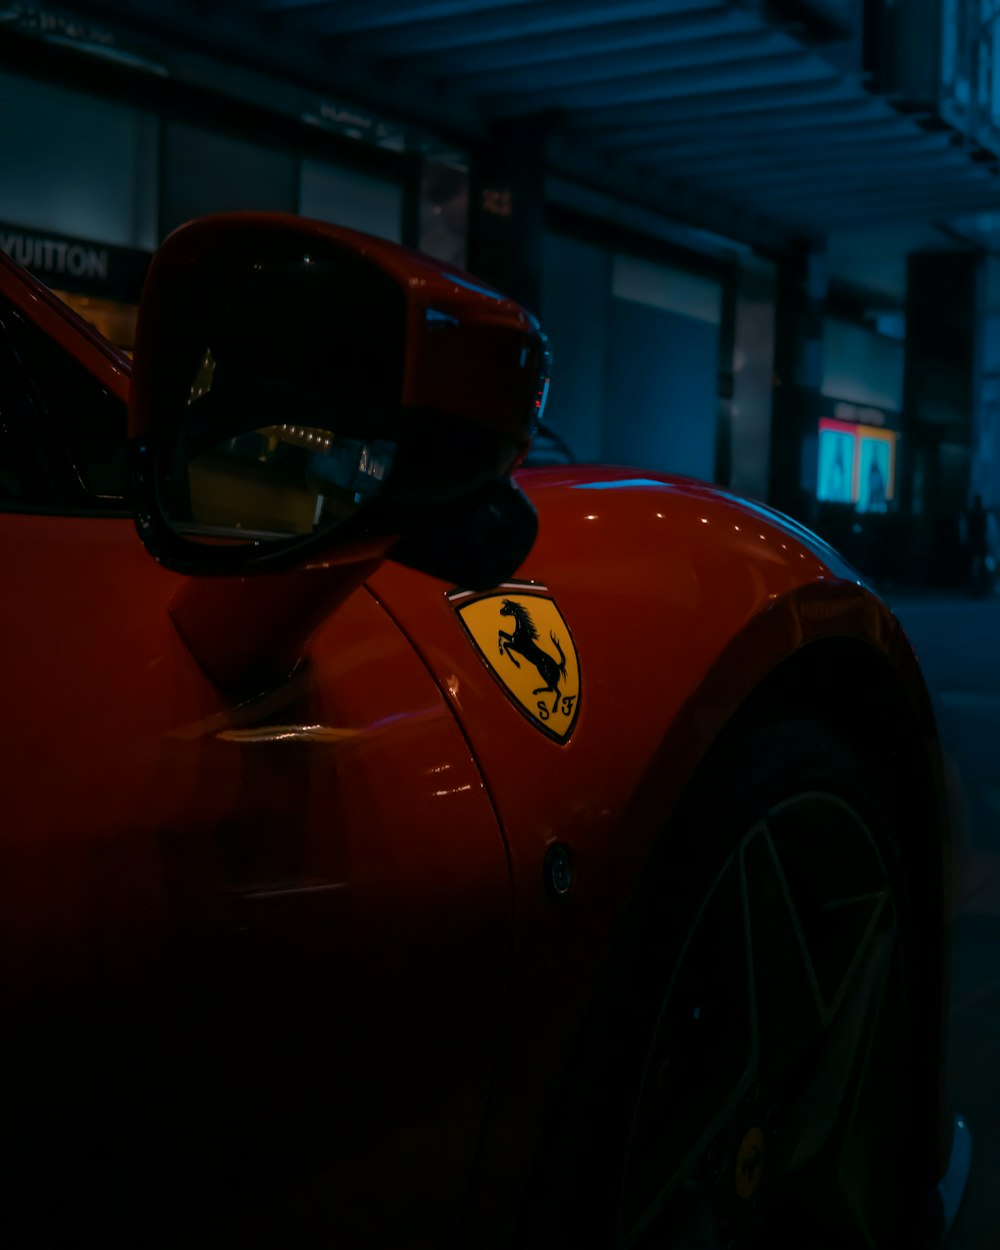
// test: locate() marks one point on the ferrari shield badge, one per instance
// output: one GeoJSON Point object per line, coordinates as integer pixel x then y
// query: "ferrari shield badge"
{"type": "Point", "coordinates": [524, 640]}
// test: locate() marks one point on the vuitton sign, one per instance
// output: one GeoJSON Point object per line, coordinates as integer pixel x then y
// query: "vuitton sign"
{"type": "Point", "coordinates": [55, 256]}
{"type": "Point", "coordinates": [77, 264]}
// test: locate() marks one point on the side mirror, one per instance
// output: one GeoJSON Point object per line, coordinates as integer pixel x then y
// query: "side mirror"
{"type": "Point", "coordinates": [304, 393]}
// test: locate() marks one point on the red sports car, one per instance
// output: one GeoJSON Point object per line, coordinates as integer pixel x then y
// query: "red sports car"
{"type": "Point", "coordinates": [405, 850]}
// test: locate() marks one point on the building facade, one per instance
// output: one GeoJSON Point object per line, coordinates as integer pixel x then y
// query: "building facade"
{"type": "Point", "coordinates": [793, 311]}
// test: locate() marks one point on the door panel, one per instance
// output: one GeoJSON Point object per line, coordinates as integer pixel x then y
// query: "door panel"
{"type": "Point", "coordinates": [254, 957]}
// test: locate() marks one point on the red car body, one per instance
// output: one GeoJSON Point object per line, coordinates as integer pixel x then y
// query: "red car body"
{"type": "Point", "coordinates": [354, 856]}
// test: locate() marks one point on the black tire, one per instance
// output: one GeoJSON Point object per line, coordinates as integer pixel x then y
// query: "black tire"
{"type": "Point", "coordinates": [755, 1093]}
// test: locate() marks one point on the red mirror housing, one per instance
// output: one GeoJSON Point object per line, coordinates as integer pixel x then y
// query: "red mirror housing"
{"type": "Point", "coordinates": [301, 389]}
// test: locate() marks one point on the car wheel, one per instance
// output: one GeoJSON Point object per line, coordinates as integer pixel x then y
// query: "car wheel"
{"type": "Point", "coordinates": [754, 1086]}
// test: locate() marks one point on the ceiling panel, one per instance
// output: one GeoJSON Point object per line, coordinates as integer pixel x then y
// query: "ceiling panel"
{"type": "Point", "coordinates": [567, 45]}
{"type": "Point", "coordinates": [660, 61]}
{"type": "Point", "coordinates": [561, 18]}
{"type": "Point", "coordinates": [709, 109]}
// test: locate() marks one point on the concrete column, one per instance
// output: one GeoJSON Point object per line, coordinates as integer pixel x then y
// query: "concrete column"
{"type": "Point", "coordinates": [443, 209]}
{"type": "Point", "coordinates": [944, 309]}
{"type": "Point", "coordinates": [576, 315]}
{"type": "Point", "coordinates": [746, 416]}
{"type": "Point", "coordinates": [798, 367]}
{"type": "Point", "coordinates": [944, 441]}
{"type": "Point", "coordinates": [507, 210]}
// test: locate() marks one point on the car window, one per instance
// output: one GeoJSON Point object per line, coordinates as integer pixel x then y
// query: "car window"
{"type": "Point", "coordinates": [26, 481]}
{"type": "Point", "coordinates": [20, 479]}
{"type": "Point", "coordinates": [59, 413]}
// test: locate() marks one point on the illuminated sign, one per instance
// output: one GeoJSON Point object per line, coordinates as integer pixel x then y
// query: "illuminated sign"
{"type": "Point", "coordinates": [82, 35]}
{"type": "Point", "coordinates": [837, 448]}
{"type": "Point", "coordinates": [857, 464]}
{"type": "Point", "coordinates": [55, 257]}
{"type": "Point", "coordinates": [856, 414]}
{"type": "Point", "coordinates": [37, 21]}
{"type": "Point", "coordinates": [77, 264]}
{"type": "Point", "coordinates": [356, 123]}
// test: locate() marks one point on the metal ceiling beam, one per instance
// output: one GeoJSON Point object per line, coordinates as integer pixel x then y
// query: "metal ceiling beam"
{"type": "Point", "coordinates": [754, 164]}
{"type": "Point", "coordinates": [597, 67]}
{"type": "Point", "coordinates": [812, 122]}
{"type": "Point", "coordinates": [358, 15]}
{"type": "Point", "coordinates": [865, 216]}
{"type": "Point", "coordinates": [704, 104]}
{"type": "Point", "coordinates": [774, 200]}
{"type": "Point", "coordinates": [852, 218]}
{"type": "Point", "coordinates": [820, 205]}
{"type": "Point", "coordinates": [566, 45]}
{"type": "Point", "coordinates": [889, 215]}
{"type": "Point", "coordinates": [738, 74]}
{"type": "Point", "coordinates": [864, 207]}
{"type": "Point", "coordinates": [925, 185]}
{"type": "Point", "coordinates": [580, 165]}
{"type": "Point", "coordinates": [821, 182]}
{"type": "Point", "coordinates": [859, 138]}
{"type": "Point", "coordinates": [540, 17]}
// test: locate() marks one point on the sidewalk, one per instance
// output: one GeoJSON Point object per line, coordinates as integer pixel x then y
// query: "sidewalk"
{"type": "Point", "coordinates": [958, 641]}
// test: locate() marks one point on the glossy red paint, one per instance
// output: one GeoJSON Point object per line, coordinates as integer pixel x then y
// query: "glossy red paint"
{"type": "Point", "coordinates": [66, 327]}
{"type": "Point", "coordinates": [500, 338]}
{"type": "Point", "coordinates": [681, 599]}
{"type": "Point", "coordinates": [343, 874]}
{"type": "Point", "coordinates": [324, 856]}
{"type": "Point", "coordinates": [319, 862]}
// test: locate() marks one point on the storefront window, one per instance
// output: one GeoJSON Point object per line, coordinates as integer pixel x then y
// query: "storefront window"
{"type": "Point", "coordinates": [111, 318]}
{"type": "Point", "coordinates": [77, 165]}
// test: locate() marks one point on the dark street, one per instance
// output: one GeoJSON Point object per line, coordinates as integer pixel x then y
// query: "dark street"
{"type": "Point", "coordinates": [956, 640]}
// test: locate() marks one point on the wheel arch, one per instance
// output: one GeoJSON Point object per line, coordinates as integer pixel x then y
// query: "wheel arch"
{"type": "Point", "coordinates": [879, 703]}
{"type": "Point", "coordinates": [862, 678]}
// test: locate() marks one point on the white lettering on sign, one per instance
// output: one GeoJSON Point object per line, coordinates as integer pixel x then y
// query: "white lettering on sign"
{"type": "Point", "coordinates": [33, 20]}
{"type": "Point", "coordinates": [344, 117]}
{"type": "Point", "coordinates": [55, 256]}
{"type": "Point", "coordinates": [852, 412]}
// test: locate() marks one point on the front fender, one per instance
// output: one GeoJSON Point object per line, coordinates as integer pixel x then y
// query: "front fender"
{"type": "Point", "coordinates": [682, 601]}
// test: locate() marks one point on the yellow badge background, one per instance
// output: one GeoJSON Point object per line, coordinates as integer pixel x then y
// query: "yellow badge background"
{"type": "Point", "coordinates": [484, 620]}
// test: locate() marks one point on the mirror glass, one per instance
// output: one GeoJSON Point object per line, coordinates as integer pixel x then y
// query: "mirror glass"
{"type": "Point", "coordinates": [280, 376]}
{"type": "Point", "coordinates": [293, 390]}
{"type": "Point", "coordinates": [272, 481]}
{"type": "Point", "coordinates": [282, 480]}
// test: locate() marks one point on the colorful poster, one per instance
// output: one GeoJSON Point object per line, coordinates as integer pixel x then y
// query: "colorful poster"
{"type": "Point", "coordinates": [857, 464]}
{"type": "Point", "coordinates": [836, 464]}
{"type": "Point", "coordinates": [874, 474]}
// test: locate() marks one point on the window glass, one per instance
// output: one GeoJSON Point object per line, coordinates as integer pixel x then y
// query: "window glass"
{"type": "Point", "coordinates": [19, 477]}
{"type": "Point", "coordinates": [79, 428]}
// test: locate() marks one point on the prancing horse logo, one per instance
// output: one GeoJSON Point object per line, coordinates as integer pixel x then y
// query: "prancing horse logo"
{"type": "Point", "coordinates": [527, 645]}
{"type": "Point", "coordinates": [524, 641]}
{"type": "Point", "coordinates": [750, 1163]}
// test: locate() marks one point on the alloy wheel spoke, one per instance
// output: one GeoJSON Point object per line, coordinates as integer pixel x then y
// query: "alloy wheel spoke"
{"type": "Point", "coordinates": [788, 1003]}
{"type": "Point", "coordinates": [840, 1135]}
{"type": "Point", "coordinates": [840, 1129]}
{"type": "Point", "coordinates": [705, 1041]}
{"type": "Point", "coordinates": [867, 1163]}
{"type": "Point", "coordinates": [810, 1120]}
{"type": "Point", "coordinates": [778, 1049]}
